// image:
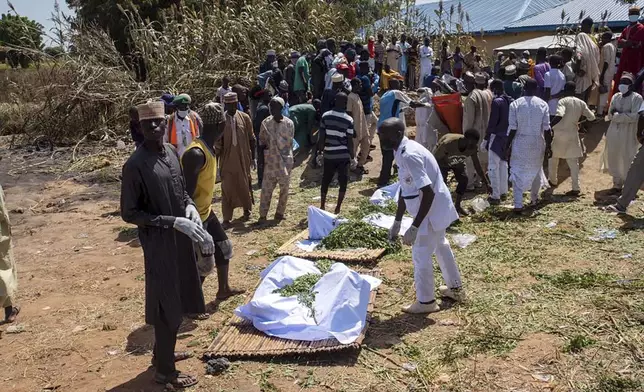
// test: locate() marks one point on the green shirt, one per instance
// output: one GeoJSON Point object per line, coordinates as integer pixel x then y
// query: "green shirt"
{"type": "Point", "coordinates": [303, 117]}
{"type": "Point", "coordinates": [301, 66]}
{"type": "Point", "coordinates": [447, 152]}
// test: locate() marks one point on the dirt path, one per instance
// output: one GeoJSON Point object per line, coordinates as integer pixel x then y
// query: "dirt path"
{"type": "Point", "coordinates": [81, 292]}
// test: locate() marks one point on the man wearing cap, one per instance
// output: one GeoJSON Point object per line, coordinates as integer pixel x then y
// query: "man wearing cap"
{"type": "Point", "coordinates": [632, 44]}
{"type": "Point", "coordinates": [301, 82]}
{"type": "Point", "coordinates": [529, 139]}
{"type": "Point", "coordinates": [523, 68]}
{"type": "Point", "coordinates": [236, 153]}
{"type": "Point", "coordinates": [511, 87]}
{"type": "Point", "coordinates": [476, 116]}
{"type": "Point", "coordinates": [268, 65]}
{"type": "Point", "coordinates": [621, 136]}
{"type": "Point", "coordinates": [276, 139]}
{"type": "Point", "coordinates": [588, 72]}
{"type": "Point", "coordinates": [328, 98]}
{"type": "Point", "coordinates": [566, 144]}
{"type": "Point", "coordinates": [200, 170]}
{"type": "Point", "coordinates": [154, 198]}
{"type": "Point", "coordinates": [289, 76]}
{"type": "Point", "coordinates": [167, 99]}
{"type": "Point", "coordinates": [496, 141]}
{"type": "Point", "coordinates": [184, 126]}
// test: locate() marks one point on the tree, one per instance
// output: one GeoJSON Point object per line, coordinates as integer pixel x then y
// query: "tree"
{"type": "Point", "coordinates": [54, 51]}
{"type": "Point", "coordinates": [21, 37]}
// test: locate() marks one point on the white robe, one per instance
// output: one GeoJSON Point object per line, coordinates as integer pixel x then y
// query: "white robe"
{"type": "Point", "coordinates": [8, 276]}
{"type": "Point", "coordinates": [426, 136]}
{"type": "Point", "coordinates": [566, 143]}
{"type": "Point", "coordinates": [530, 117]}
{"type": "Point", "coordinates": [426, 60]}
{"type": "Point", "coordinates": [589, 62]}
{"type": "Point", "coordinates": [621, 137]}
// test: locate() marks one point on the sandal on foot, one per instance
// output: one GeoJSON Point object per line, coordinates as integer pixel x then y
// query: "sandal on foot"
{"type": "Point", "coordinates": [200, 316]}
{"type": "Point", "coordinates": [11, 317]}
{"type": "Point", "coordinates": [177, 380]}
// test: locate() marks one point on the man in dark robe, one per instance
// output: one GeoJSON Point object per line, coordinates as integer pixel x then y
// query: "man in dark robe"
{"type": "Point", "coordinates": [154, 198]}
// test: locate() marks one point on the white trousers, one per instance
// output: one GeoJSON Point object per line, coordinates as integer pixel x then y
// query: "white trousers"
{"type": "Point", "coordinates": [428, 243]}
{"type": "Point", "coordinates": [573, 164]}
{"type": "Point", "coordinates": [497, 170]}
{"type": "Point", "coordinates": [534, 191]}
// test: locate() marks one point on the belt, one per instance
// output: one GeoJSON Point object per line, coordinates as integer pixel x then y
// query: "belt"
{"type": "Point", "coordinates": [410, 197]}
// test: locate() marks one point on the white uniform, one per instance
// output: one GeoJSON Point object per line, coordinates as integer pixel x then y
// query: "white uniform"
{"type": "Point", "coordinates": [425, 135]}
{"type": "Point", "coordinates": [417, 168]}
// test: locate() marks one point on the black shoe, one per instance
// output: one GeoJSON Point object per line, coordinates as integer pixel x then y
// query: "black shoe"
{"type": "Point", "coordinates": [493, 202]}
{"type": "Point", "coordinates": [573, 193]}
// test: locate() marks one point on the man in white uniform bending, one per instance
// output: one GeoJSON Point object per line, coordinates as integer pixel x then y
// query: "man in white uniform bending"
{"type": "Point", "coordinates": [426, 197]}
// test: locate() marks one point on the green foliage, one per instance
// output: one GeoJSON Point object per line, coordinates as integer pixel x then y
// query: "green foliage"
{"type": "Point", "coordinates": [366, 207]}
{"type": "Point", "coordinates": [54, 51]}
{"type": "Point", "coordinates": [572, 279]}
{"type": "Point", "coordinates": [577, 343]}
{"type": "Point", "coordinates": [617, 384]}
{"type": "Point", "coordinates": [21, 37]}
{"type": "Point", "coordinates": [324, 265]}
{"type": "Point", "coordinates": [302, 288]}
{"type": "Point", "coordinates": [358, 234]}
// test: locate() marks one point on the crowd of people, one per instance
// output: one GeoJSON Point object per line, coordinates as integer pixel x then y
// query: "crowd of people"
{"type": "Point", "coordinates": [520, 117]}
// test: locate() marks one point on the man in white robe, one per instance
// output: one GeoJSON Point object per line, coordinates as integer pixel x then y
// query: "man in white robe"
{"type": "Point", "coordinates": [566, 144]}
{"type": "Point", "coordinates": [621, 137]}
{"type": "Point", "coordinates": [588, 73]}
{"type": "Point", "coordinates": [529, 138]}
{"type": "Point", "coordinates": [426, 60]}
{"type": "Point", "coordinates": [608, 68]}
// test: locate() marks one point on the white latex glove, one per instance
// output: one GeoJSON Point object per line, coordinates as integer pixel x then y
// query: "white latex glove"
{"type": "Point", "coordinates": [253, 164]}
{"type": "Point", "coordinates": [410, 236]}
{"type": "Point", "coordinates": [319, 160]}
{"type": "Point", "coordinates": [191, 229]}
{"type": "Point", "coordinates": [354, 164]}
{"type": "Point", "coordinates": [208, 245]}
{"type": "Point", "coordinates": [394, 230]}
{"type": "Point", "coordinates": [193, 214]}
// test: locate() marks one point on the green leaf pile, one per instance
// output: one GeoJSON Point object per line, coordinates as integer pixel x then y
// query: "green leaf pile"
{"type": "Point", "coordinates": [358, 234]}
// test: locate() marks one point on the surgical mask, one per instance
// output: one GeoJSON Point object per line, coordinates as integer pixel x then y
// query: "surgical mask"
{"type": "Point", "coordinates": [623, 88]}
{"type": "Point", "coordinates": [182, 113]}
{"type": "Point", "coordinates": [633, 18]}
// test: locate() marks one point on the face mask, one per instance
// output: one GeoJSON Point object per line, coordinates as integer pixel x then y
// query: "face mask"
{"type": "Point", "coordinates": [182, 113]}
{"type": "Point", "coordinates": [275, 64]}
{"type": "Point", "coordinates": [633, 18]}
{"type": "Point", "coordinates": [623, 88]}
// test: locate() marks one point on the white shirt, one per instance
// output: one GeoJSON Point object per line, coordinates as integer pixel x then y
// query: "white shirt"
{"type": "Point", "coordinates": [223, 91]}
{"type": "Point", "coordinates": [426, 57]}
{"type": "Point", "coordinates": [184, 135]}
{"type": "Point", "coordinates": [556, 81]}
{"type": "Point", "coordinates": [417, 168]}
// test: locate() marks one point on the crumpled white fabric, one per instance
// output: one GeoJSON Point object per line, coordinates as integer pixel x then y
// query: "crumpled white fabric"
{"type": "Point", "coordinates": [308, 245]}
{"type": "Point", "coordinates": [386, 221]}
{"type": "Point", "coordinates": [340, 303]}
{"type": "Point", "coordinates": [321, 223]}
{"type": "Point", "coordinates": [386, 194]}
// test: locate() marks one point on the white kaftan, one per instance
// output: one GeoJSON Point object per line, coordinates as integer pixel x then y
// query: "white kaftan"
{"type": "Point", "coordinates": [566, 143]}
{"type": "Point", "coordinates": [530, 117]}
{"type": "Point", "coordinates": [426, 60]}
{"type": "Point", "coordinates": [621, 137]}
{"type": "Point", "coordinates": [425, 135]}
{"type": "Point", "coordinates": [608, 55]}
{"type": "Point", "coordinates": [589, 62]}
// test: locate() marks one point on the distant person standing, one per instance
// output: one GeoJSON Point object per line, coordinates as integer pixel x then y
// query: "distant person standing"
{"type": "Point", "coordinates": [554, 82]}
{"type": "Point", "coordinates": [393, 54]}
{"type": "Point", "coordinates": [607, 65]}
{"type": "Point", "coordinates": [470, 62]}
{"type": "Point", "coordinates": [496, 137]}
{"type": "Point", "coordinates": [458, 62]}
{"type": "Point", "coordinates": [540, 71]}
{"type": "Point", "coordinates": [301, 83]}
{"type": "Point", "coordinates": [8, 274]}
{"type": "Point", "coordinates": [379, 50]}
{"type": "Point", "coordinates": [446, 65]}
{"type": "Point", "coordinates": [184, 125]}
{"type": "Point", "coordinates": [632, 44]}
{"type": "Point", "coordinates": [426, 60]}
{"type": "Point", "coordinates": [588, 71]}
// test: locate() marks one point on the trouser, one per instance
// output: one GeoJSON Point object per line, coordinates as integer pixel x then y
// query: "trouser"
{"type": "Point", "coordinates": [260, 163]}
{"type": "Point", "coordinates": [165, 340]}
{"type": "Point", "coordinates": [372, 122]}
{"type": "Point", "coordinates": [332, 166]}
{"type": "Point", "coordinates": [362, 149]}
{"type": "Point", "coordinates": [430, 242]}
{"type": "Point", "coordinates": [385, 169]}
{"type": "Point", "coordinates": [268, 186]}
{"type": "Point", "coordinates": [573, 164]}
{"type": "Point", "coordinates": [634, 180]}
{"type": "Point", "coordinates": [472, 175]}
{"type": "Point", "coordinates": [534, 191]}
{"type": "Point", "coordinates": [459, 175]}
{"type": "Point", "coordinates": [378, 69]}
{"type": "Point", "coordinates": [213, 227]}
{"type": "Point", "coordinates": [497, 170]}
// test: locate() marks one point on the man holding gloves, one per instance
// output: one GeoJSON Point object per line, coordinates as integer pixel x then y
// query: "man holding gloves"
{"type": "Point", "coordinates": [426, 197]}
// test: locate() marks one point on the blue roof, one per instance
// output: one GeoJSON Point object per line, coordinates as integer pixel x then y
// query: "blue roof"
{"type": "Point", "coordinates": [489, 16]}
{"type": "Point", "coordinates": [551, 19]}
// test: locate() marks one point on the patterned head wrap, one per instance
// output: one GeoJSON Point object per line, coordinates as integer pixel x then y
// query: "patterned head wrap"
{"type": "Point", "coordinates": [231, 98]}
{"type": "Point", "coordinates": [151, 110]}
{"type": "Point", "coordinates": [212, 114]}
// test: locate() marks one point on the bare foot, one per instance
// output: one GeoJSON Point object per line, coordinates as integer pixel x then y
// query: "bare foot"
{"type": "Point", "coordinates": [223, 295]}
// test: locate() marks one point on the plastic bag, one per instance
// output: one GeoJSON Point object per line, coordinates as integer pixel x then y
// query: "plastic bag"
{"type": "Point", "coordinates": [321, 223]}
{"type": "Point", "coordinates": [463, 240]}
{"type": "Point", "coordinates": [480, 205]}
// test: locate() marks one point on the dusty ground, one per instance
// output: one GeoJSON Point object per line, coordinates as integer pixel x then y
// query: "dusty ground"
{"type": "Point", "coordinates": [547, 309]}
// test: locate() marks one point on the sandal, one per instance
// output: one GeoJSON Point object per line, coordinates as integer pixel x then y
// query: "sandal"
{"type": "Point", "coordinates": [178, 356]}
{"type": "Point", "coordinates": [199, 316]}
{"type": "Point", "coordinates": [177, 380]}
{"type": "Point", "coordinates": [614, 208]}
{"type": "Point", "coordinates": [11, 316]}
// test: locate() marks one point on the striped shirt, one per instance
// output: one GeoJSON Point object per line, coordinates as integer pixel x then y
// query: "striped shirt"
{"type": "Point", "coordinates": [338, 127]}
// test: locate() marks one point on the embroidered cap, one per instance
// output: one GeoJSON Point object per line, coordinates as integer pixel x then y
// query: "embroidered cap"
{"type": "Point", "coordinates": [151, 110]}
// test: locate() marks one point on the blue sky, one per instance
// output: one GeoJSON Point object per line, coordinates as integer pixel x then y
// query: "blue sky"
{"type": "Point", "coordinates": [39, 10]}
